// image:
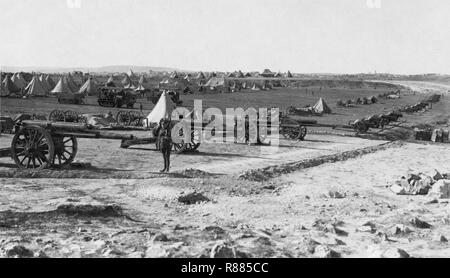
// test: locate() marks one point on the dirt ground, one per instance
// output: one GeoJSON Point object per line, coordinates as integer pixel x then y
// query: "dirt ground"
{"type": "Point", "coordinates": [116, 204]}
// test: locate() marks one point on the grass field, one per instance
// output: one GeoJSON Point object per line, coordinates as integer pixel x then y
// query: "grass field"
{"type": "Point", "coordinates": [281, 98]}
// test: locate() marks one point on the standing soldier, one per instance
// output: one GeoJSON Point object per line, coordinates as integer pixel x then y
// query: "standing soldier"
{"type": "Point", "coordinates": [165, 142]}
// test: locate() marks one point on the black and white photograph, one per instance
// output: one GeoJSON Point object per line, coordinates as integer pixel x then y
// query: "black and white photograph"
{"type": "Point", "coordinates": [229, 134]}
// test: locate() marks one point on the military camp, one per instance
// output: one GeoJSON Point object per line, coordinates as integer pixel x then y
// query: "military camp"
{"type": "Point", "coordinates": [241, 130]}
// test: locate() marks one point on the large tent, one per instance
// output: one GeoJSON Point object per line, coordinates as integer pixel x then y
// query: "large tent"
{"type": "Point", "coordinates": [142, 80]}
{"type": "Point", "coordinates": [110, 82]}
{"type": "Point", "coordinates": [215, 82]}
{"type": "Point", "coordinates": [321, 107]}
{"type": "Point", "coordinates": [162, 110]}
{"type": "Point", "coordinates": [289, 74]}
{"type": "Point", "coordinates": [50, 81]}
{"type": "Point", "coordinates": [71, 83]}
{"type": "Point", "coordinates": [62, 87]}
{"type": "Point", "coordinates": [8, 87]}
{"type": "Point", "coordinates": [44, 83]}
{"type": "Point", "coordinates": [200, 76]}
{"type": "Point", "coordinates": [35, 88]}
{"type": "Point", "coordinates": [126, 80]}
{"type": "Point", "coordinates": [130, 74]}
{"type": "Point", "coordinates": [19, 81]}
{"type": "Point", "coordinates": [89, 88]}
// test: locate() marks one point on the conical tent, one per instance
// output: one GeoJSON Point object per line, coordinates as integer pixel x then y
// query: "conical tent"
{"type": "Point", "coordinates": [142, 80]}
{"type": "Point", "coordinates": [50, 81]}
{"type": "Point", "coordinates": [240, 74]}
{"type": "Point", "coordinates": [174, 75]}
{"type": "Point", "coordinates": [130, 73]}
{"type": "Point", "coordinates": [289, 74]}
{"type": "Point", "coordinates": [61, 87]}
{"type": "Point", "coordinates": [44, 83]}
{"type": "Point", "coordinates": [256, 87]}
{"type": "Point", "coordinates": [88, 88]}
{"type": "Point", "coordinates": [126, 80]}
{"type": "Point", "coordinates": [9, 88]}
{"type": "Point", "coordinates": [19, 81]}
{"type": "Point", "coordinates": [35, 88]}
{"type": "Point", "coordinates": [321, 107]}
{"type": "Point", "coordinates": [110, 82]}
{"type": "Point", "coordinates": [130, 86]}
{"type": "Point", "coordinates": [140, 88]}
{"type": "Point", "coordinates": [200, 76]}
{"type": "Point", "coordinates": [71, 83]}
{"type": "Point", "coordinates": [162, 110]}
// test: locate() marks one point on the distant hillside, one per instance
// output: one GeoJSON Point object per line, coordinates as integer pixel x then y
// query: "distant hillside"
{"type": "Point", "coordinates": [108, 69]}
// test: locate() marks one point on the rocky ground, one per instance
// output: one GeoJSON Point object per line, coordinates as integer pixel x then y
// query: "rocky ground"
{"type": "Point", "coordinates": [330, 196]}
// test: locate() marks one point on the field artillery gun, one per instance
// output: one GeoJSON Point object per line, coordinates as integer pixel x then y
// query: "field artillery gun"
{"type": "Point", "coordinates": [116, 97]}
{"type": "Point", "coordinates": [43, 144]}
{"type": "Point", "coordinates": [66, 116]}
{"type": "Point", "coordinates": [130, 118]}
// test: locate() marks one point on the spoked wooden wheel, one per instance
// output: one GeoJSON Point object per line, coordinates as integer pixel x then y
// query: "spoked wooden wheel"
{"type": "Point", "coordinates": [180, 147]}
{"type": "Point", "coordinates": [303, 132]}
{"type": "Point", "coordinates": [32, 147]}
{"type": "Point", "coordinates": [124, 118]}
{"type": "Point", "coordinates": [195, 141]}
{"type": "Point", "coordinates": [136, 119]}
{"type": "Point", "coordinates": [57, 116]}
{"type": "Point", "coordinates": [71, 116]}
{"type": "Point", "coordinates": [66, 148]}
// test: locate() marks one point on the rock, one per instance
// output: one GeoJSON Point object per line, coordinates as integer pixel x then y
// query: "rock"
{"type": "Point", "coordinates": [160, 237]}
{"type": "Point", "coordinates": [401, 230]}
{"type": "Point", "coordinates": [441, 189]}
{"type": "Point", "coordinates": [221, 250]}
{"type": "Point", "coordinates": [193, 198]}
{"type": "Point", "coordinates": [436, 175]}
{"type": "Point", "coordinates": [323, 251]}
{"type": "Point", "coordinates": [365, 229]}
{"type": "Point", "coordinates": [156, 251]}
{"type": "Point", "coordinates": [339, 231]}
{"type": "Point", "coordinates": [413, 176]}
{"type": "Point", "coordinates": [395, 253]}
{"type": "Point", "coordinates": [416, 222]}
{"type": "Point", "coordinates": [311, 245]}
{"type": "Point", "coordinates": [441, 238]}
{"type": "Point", "coordinates": [214, 229]}
{"type": "Point", "coordinates": [40, 254]}
{"type": "Point", "coordinates": [18, 251]}
{"type": "Point", "coordinates": [336, 195]}
{"type": "Point", "coordinates": [397, 189]}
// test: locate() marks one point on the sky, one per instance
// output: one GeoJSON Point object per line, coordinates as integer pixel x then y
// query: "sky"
{"type": "Point", "coordinates": [303, 36]}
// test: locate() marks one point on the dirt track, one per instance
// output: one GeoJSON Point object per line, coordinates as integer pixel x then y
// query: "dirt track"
{"type": "Point", "coordinates": [289, 216]}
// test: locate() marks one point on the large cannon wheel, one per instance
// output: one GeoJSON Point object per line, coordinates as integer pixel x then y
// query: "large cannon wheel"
{"type": "Point", "coordinates": [66, 148]}
{"type": "Point", "coordinates": [195, 141]}
{"type": "Point", "coordinates": [32, 147]}
{"type": "Point", "coordinates": [57, 116]}
{"type": "Point", "coordinates": [302, 133]}
{"type": "Point", "coordinates": [123, 118]}
{"type": "Point", "coordinates": [71, 116]}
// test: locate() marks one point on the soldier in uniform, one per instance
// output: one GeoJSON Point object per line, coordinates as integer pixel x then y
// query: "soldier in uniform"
{"type": "Point", "coordinates": [165, 142]}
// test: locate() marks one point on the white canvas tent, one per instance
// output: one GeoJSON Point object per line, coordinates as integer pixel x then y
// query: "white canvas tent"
{"type": "Point", "coordinates": [62, 87]}
{"type": "Point", "coordinates": [45, 84]}
{"type": "Point", "coordinates": [19, 81]}
{"type": "Point", "coordinates": [321, 107]}
{"type": "Point", "coordinates": [35, 88]}
{"type": "Point", "coordinates": [162, 110]}
{"type": "Point", "coordinates": [88, 88]}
